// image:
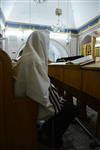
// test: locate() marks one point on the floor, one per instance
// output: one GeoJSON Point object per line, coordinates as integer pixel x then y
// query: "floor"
{"type": "Point", "coordinates": [76, 138]}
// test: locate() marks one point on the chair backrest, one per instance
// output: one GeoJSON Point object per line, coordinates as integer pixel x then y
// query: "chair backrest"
{"type": "Point", "coordinates": [18, 116]}
{"type": "Point", "coordinates": [5, 91]}
{"type": "Point", "coordinates": [6, 80]}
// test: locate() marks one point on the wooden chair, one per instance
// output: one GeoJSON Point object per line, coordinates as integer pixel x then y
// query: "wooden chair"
{"type": "Point", "coordinates": [18, 116]}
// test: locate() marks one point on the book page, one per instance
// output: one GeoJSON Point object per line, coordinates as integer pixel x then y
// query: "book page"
{"type": "Point", "coordinates": [57, 63]}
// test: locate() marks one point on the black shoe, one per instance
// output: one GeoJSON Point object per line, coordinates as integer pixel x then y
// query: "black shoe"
{"type": "Point", "coordinates": [45, 140]}
{"type": "Point", "coordinates": [57, 144]}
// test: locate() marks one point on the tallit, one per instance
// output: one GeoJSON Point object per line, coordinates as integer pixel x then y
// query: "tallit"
{"type": "Point", "coordinates": [32, 73]}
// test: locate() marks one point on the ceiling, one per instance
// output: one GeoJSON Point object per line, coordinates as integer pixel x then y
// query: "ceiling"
{"type": "Point", "coordinates": [75, 13]}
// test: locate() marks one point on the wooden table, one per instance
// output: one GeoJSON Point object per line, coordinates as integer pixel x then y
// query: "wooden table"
{"type": "Point", "coordinates": [83, 82]}
{"type": "Point", "coordinates": [91, 89]}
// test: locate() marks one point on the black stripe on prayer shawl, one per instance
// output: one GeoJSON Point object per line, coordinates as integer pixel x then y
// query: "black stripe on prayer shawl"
{"type": "Point", "coordinates": [55, 99]}
{"type": "Point", "coordinates": [52, 102]}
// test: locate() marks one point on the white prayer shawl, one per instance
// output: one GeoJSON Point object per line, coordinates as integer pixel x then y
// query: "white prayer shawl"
{"type": "Point", "coordinates": [32, 73]}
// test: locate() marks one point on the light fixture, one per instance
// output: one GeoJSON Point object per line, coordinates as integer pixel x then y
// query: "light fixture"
{"type": "Point", "coordinates": [59, 27]}
{"type": "Point", "coordinates": [40, 1]}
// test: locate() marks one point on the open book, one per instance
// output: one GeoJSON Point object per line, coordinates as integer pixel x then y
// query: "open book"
{"type": "Point", "coordinates": [80, 61]}
{"type": "Point", "coordinates": [83, 60]}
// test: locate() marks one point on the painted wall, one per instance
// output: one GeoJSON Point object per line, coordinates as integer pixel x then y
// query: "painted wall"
{"type": "Point", "coordinates": [75, 13]}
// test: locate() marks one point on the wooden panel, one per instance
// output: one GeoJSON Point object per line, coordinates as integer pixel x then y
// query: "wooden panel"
{"type": "Point", "coordinates": [72, 78]}
{"type": "Point", "coordinates": [91, 82]}
{"type": "Point", "coordinates": [56, 72]}
{"type": "Point", "coordinates": [18, 116]}
{"type": "Point", "coordinates": [92, 66]}
{"type": "Point", "coordinates": [0, 81]}
{"type": "Point", "coordinates": [2, 135]}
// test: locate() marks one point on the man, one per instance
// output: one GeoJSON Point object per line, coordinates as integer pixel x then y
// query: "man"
{"type": "Point", "coordinates": [32, 81]}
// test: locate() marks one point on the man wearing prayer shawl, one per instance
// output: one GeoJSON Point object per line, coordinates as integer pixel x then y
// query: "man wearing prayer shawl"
{"type": "Point", "coordinates": [32, 81]}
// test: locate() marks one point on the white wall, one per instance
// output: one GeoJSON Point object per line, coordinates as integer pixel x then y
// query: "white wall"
{"type": "Point", "coordinates": [16, 39]}
{"type": "Point", "coordinates": [84, 11]}
{"type": "Point", "coordinates": [74, 45]}
{"type": "Point", "coordinates": [75, 13]}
